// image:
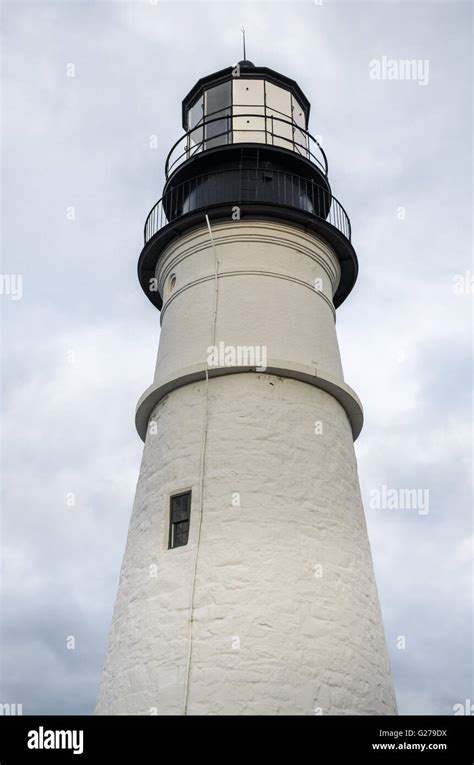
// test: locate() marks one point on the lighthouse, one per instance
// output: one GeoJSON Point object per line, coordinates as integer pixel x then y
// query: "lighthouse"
{"type": "Point", "coordinates": [247, 584]}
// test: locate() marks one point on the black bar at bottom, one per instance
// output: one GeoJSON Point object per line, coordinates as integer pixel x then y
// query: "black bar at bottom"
{"type": "Point", "coordinates": [443, 739]}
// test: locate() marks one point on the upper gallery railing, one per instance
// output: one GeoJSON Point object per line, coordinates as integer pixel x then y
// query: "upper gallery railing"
{"type": "Point", "coordinates": [248, 127]}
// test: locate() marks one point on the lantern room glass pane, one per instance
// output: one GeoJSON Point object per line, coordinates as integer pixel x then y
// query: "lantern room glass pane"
{"type": "Point", "coordinates": [217, 113]}
{"type": "Point", "coordinates": [279, 116]}
{"type": "Point", "coordinates": [195, 115]}
{"type": "Point", "coordinates": [278, 100]}
{"type": "Point", "coordinates": [300, 138]}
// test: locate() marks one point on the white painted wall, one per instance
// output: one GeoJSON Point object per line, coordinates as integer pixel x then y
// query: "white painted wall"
{"type": "Point", "coordinates": [286, 617]}
{"type": "Point", "coordinates": [266, 295]}
{"type": "Point", "coordinates": [305, 641]}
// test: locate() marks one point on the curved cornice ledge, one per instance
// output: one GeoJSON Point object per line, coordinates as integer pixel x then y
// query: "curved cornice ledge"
{"type": "Point", "coordinates": [347, 398]}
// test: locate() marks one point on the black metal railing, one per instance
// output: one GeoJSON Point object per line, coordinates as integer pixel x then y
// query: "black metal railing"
{"type": "Point", "coordinates": [238, 128]}
{"type": "Point", "coordinates": [233, 187]}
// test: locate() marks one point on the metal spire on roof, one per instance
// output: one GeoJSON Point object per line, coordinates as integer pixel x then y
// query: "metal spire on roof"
{"type": "Point", "coordinates": [242, 29]}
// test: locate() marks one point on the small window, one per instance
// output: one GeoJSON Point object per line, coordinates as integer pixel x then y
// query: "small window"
{"type": "Point", "coordinates": [180, 512]}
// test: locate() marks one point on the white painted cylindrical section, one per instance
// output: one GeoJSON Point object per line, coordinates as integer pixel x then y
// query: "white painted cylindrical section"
{"type": "Point", "coordinates": [271, 607]}
{"type": "Point", "coordinates": [286, 617]}
{"type": "Point", "coordinates": [275, 288]}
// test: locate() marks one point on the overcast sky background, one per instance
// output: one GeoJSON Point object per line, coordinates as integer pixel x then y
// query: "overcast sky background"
{"type": "Point", "coordinates": [79, 348]}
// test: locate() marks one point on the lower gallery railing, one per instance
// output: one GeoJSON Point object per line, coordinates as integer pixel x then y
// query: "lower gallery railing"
{"type": "Point", "coordinates": [246, 185]}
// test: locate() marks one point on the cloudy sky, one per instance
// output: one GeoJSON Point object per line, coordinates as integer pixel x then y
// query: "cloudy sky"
{"type": "Point", "coordinates": [79, 347]}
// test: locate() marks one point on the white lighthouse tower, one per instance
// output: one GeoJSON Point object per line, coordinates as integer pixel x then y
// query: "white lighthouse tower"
{"type": "Point", "coordinates": [247, 584]}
